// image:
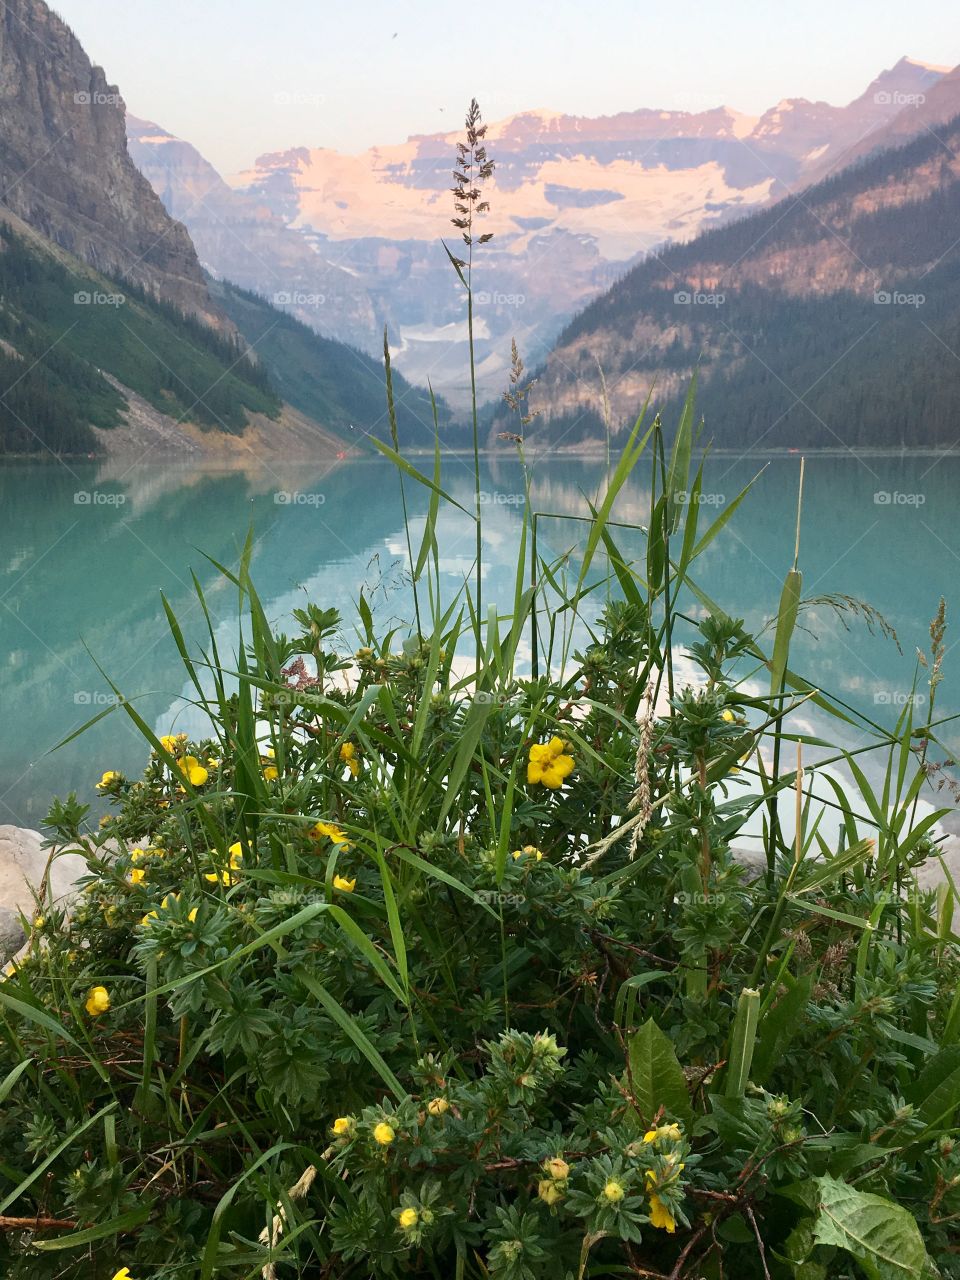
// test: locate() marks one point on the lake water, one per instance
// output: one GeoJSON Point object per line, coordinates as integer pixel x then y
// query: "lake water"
{"type": "Point", "coordinates": [86, 550]}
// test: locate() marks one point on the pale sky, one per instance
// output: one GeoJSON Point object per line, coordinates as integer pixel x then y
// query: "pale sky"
{"type": "Point", "coordinates": [241, 77]}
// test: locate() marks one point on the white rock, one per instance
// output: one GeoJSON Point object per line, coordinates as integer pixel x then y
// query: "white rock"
{"type": "Point", "coordinates": [23, 864]}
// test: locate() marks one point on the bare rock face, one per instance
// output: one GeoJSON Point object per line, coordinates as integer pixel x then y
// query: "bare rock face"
{"type": "Point", "coordinates": [64, 166]}
{"type": "Point", "coordinates": [23, 864]}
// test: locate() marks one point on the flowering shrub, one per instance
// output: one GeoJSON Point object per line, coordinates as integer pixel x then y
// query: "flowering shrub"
{"type": "Point", "coordinates": [488, 990]}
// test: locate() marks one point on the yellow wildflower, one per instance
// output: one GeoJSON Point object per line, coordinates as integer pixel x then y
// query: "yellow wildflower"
{"type": "Point", "coordinates": [108, 779]}
{"type": "Point", "coordinates": [123, 1274]}
{"type": "Point", "coordinates": [437, 1106]}
{"type": "Point", "coordinates": [727, 716]}
{"type": "Point", "coordinates": [137, 875]}
{"type": "Point", "coordinates": [348, 756]}
{"type": "Point", "coordinates": [409, 1219]}
{"type": "Point", "coordinates": [169, 742]}
{"type": "Point", "coordinates": [97, 1002]}
{"type": "Point", "coordinates": [660, 1216]}
{"type": "Point", "coordinates": [343, 1125]}
{"type": "Point", "coordinates": [145, 920]}
{"type": "Point", "coordinates": [344, 885]}
{"type": "Point", "coordinates": [384, 1134]}
{"type": "Point", "coordinates": [192, 914]}
{"type": "Point", "coordinates": [38, 922]}
{"type": "Point", "coordinates": [549, 763]}
{"type": "Point", "coordinates": [329, 831]}
{"type": "Point", "coordinates": [528, 851]}
{"type": "Point", "coordinates": [613, 1191]}
{"type": "Point", "coordinates": [193, 771]}
{"type": "Point", "coordinates": [549, 1191]}
{"type": "Point", "coordinates": [557, 1168]}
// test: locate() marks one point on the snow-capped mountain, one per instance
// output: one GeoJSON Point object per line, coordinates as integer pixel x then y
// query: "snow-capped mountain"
{"type": "Point", "coordinates": [350, 242]}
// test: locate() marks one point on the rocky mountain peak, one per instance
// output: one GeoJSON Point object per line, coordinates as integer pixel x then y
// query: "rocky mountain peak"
{"type": "Point", "coordinates": [64, 167]}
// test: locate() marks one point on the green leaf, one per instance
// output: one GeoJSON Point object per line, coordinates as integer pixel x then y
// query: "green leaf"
{"type": "Point", "coordinates": [743, 1038]}
{"type": "Point", "coordinates": [786, 621]}
{"type": "Point", "coordinates": [882, 1236]}
{"type": "Point", "coordinates": [778, 1027]}
{"type": "Point", "coordinates": [655, 1077]}
{"type": "Point", "coordinates": [126, 1222]}
{"type": "Point", "coordinates": [936, 1092]}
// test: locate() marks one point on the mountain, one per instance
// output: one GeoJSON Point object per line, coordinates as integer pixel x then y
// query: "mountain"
{"type": "Point", "coordinates": [238, 237]}
{"type": "Point", "coordinates": [110, 339]}
{"type": "Point", "coordinates": [340, 385]}
{"type": "Point", "coordinates": [64, 167]}
{"type": "Point", "coordinates": [575, 201]}
{"type": "Point", "coordinates": [829, 319]}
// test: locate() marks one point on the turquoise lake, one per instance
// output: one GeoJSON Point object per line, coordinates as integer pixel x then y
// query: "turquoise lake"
{"type": "Point", "coordinates": [87, 549]}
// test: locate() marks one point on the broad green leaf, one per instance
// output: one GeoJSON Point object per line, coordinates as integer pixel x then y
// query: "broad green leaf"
{"type": "Point", "coordinates": [882, 1236]}
{"type": "Point", "coordinates": [778, 1027]}
{"type": "Point", "coordinates": [655, 1077]}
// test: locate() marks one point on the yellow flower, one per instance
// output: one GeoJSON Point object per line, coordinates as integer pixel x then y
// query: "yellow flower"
{"type": "Point", "coordinates": [227, 876]}
{"type": "Point", "coordinates": [549, 763]}
{"type": "Point", "coordinates": [548, 1191]}
{"type": "Point", "coordinates": [169, 742]}
{"type": "Point", "coordinates": [437, 1106]}
{"type": "Point", "coordinates": [271, 773]}
{"type": "Point", "coordinates": [192, 915]}
{"type": "Point", "coordinates": [383, 1134]}
{"type": "Point", "coordinates": [145, 920]}
{"type": "Point", "coordinates": [137, 874]}
{"type": "Point", "coordinates": [123, 1274]}
{"type": "Point", "coordinates": [557, 1168]}
{"type": "Point", "coordinates": [409, 1218]}
{"type": "Point", "coordinates": [343, 1125]}
{"type": "Point", "coordinates": [98, 1001]}
{"type": "Point", "coordinates": [348, 755]}
{"type": "Point", "coordinates": [529, 851]}
{"type": "Point", "coordinates": [213, 764]}
{"type": "Point", "coordinates": [330, 831]}
{"type": "Point", "coordinates": [193, 770]}
{"type": "Point", "coordinates": [111, 915]}
{"type": "Point", "coordinates": [38, 922]}
{"type": "Point", "coordinates": [727, 716]}
{"type": "Point", "coordinates": [650, 1135]}
{"type": "Point", "coordinates": [108, 778]}
{"type": "Point", "coordinates": [218, 877]}
{"type": "Point", "coordinates": [613, 1191]}
{"type": "Point", "coordinates": [660, 1216]}
{"type": "Point", "coordinates": [671, 1131]}
{"type": "Point", "coordinates": [344, 885]}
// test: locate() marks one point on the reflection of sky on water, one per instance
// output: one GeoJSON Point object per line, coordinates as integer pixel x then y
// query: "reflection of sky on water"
{"type": "Point", "coordinates": [71, 573]}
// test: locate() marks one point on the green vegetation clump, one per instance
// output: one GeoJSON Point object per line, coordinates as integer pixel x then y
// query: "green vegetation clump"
{"type": "Point", "coordinates": [62, 331]}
